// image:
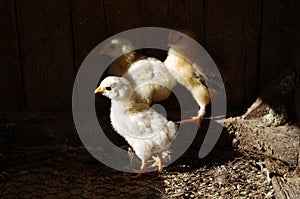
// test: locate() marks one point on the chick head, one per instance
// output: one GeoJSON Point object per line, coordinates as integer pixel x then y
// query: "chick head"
{"type": "Point", "coordinates": [114, 87]}
{"type": "Point", "coordinates": [117, 47]}
{"type": "Point", "coordinates": [177, 40]}
{"type": "Point", "coordinates": [181, 41]}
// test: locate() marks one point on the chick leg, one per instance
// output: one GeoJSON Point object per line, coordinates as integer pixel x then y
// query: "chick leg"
{"type": "Point", "coordinates": [200, 115]}
{"type": "Point", "coordinates": [197, 118]}
{"type": "Point", "coordinates": [143, 169]}
{"type": "Point", "coordinates": [201, 95]}
{"type": "Point", "coordinates": [158, 162]}
{"type": "Point", "coordinates": [134, 161]}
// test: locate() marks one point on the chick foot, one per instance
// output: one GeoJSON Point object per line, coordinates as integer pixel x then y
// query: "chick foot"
{"type": "Point", "coordinates": [196, 119]}
{"type": "Point", "coordinates": [140, 172]}
{"type": "Point", "coordinates": [158, 162]}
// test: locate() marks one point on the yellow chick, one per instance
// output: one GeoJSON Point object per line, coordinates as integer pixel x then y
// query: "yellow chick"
{"type": "Point", "coordinates": [181, 66]}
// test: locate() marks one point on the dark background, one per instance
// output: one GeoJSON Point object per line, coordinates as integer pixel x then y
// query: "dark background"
{"type": "Point", "coordinates": [255, 43]}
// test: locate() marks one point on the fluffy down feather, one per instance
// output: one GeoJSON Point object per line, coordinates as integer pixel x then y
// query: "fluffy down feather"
{"type": "Point", "coordinates": [151, 79]}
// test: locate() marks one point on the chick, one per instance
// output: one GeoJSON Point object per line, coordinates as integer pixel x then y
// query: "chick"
{"type": "Point", "coordinates": [191, 51]}
{"type": "Point", "coordinates": [145, 130]}
{"type": "Point", "coordinates": [122, 51]}
{"type": "Point", "coordinates": [181, 66]}
{"type": "Point", "coordinates": [150, 76]}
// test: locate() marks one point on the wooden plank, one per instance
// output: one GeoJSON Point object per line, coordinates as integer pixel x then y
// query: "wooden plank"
{"type": "Point", "coordinates": [47, 54]}
{"type": "Point", "coordinates": [177, 15]}
{"type": "Point", "coordinates": [12, 98]}
{"type": "Point", "coordinates": [122, 15]}
{"type": "Point", "coordinates": [172, 14]}
{"type": "Point", "coordinates": [89, 27]}
{"type": "Point", "coordinates": [38, 129]}
{"type": "Point", "coordinates": [231, 38]}
{"type": "Point", "coordinates": [276, 41]}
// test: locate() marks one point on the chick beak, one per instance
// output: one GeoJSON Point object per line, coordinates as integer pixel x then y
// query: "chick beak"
{"type": "Point", "coordinates": [171, 43]}
{"type": "Point", "coordinates": [99, 90]}
{"type": "Point", "coordinates": [102, 52]}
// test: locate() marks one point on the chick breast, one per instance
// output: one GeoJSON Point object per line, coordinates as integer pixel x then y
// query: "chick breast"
{"type": "Point", "coordinates": [146, 131]}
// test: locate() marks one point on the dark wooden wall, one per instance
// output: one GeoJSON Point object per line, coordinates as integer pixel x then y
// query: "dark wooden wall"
{"type": "Point", "coordinates": [43, 43]}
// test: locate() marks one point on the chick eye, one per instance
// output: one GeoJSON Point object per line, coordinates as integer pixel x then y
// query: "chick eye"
{"type": "Point", "coordinates": [108, 88]}
{"type": "Point", "coordinates": [112, 46]}
{"type": "Point", "coordinates": [180, 37]}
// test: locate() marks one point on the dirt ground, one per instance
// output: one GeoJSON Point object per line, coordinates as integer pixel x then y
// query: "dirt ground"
{"type": "Point", "coordinates": [58, 166]}
{"type": "Point", "coordinates": [71, 172]}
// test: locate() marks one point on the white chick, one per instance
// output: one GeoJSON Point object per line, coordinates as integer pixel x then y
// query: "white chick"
{"type": "Point", "coordinates": [186, 73]}
{"type": "Point", "coordinates": [149, 72]}
{"type": "Point", "coordinates": [145, 130]}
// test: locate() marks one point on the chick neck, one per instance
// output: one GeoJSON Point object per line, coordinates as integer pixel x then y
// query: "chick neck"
{"type": "Point", "coordinates": [123, 99]}
{"type": "Point", "coordinates": [179, 53]}
{"type": "Point", "coordinates": [129, 57]}
{"type": "Point", "coordinates": [130, 102]}
{"type": "Point", "coordinates": [188, 53]}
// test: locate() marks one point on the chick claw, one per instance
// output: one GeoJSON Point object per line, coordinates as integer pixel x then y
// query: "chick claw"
{"type": "Point", "coordinates": [195, 119]}
{"type": "Point", "coordinates": [158, 162]}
